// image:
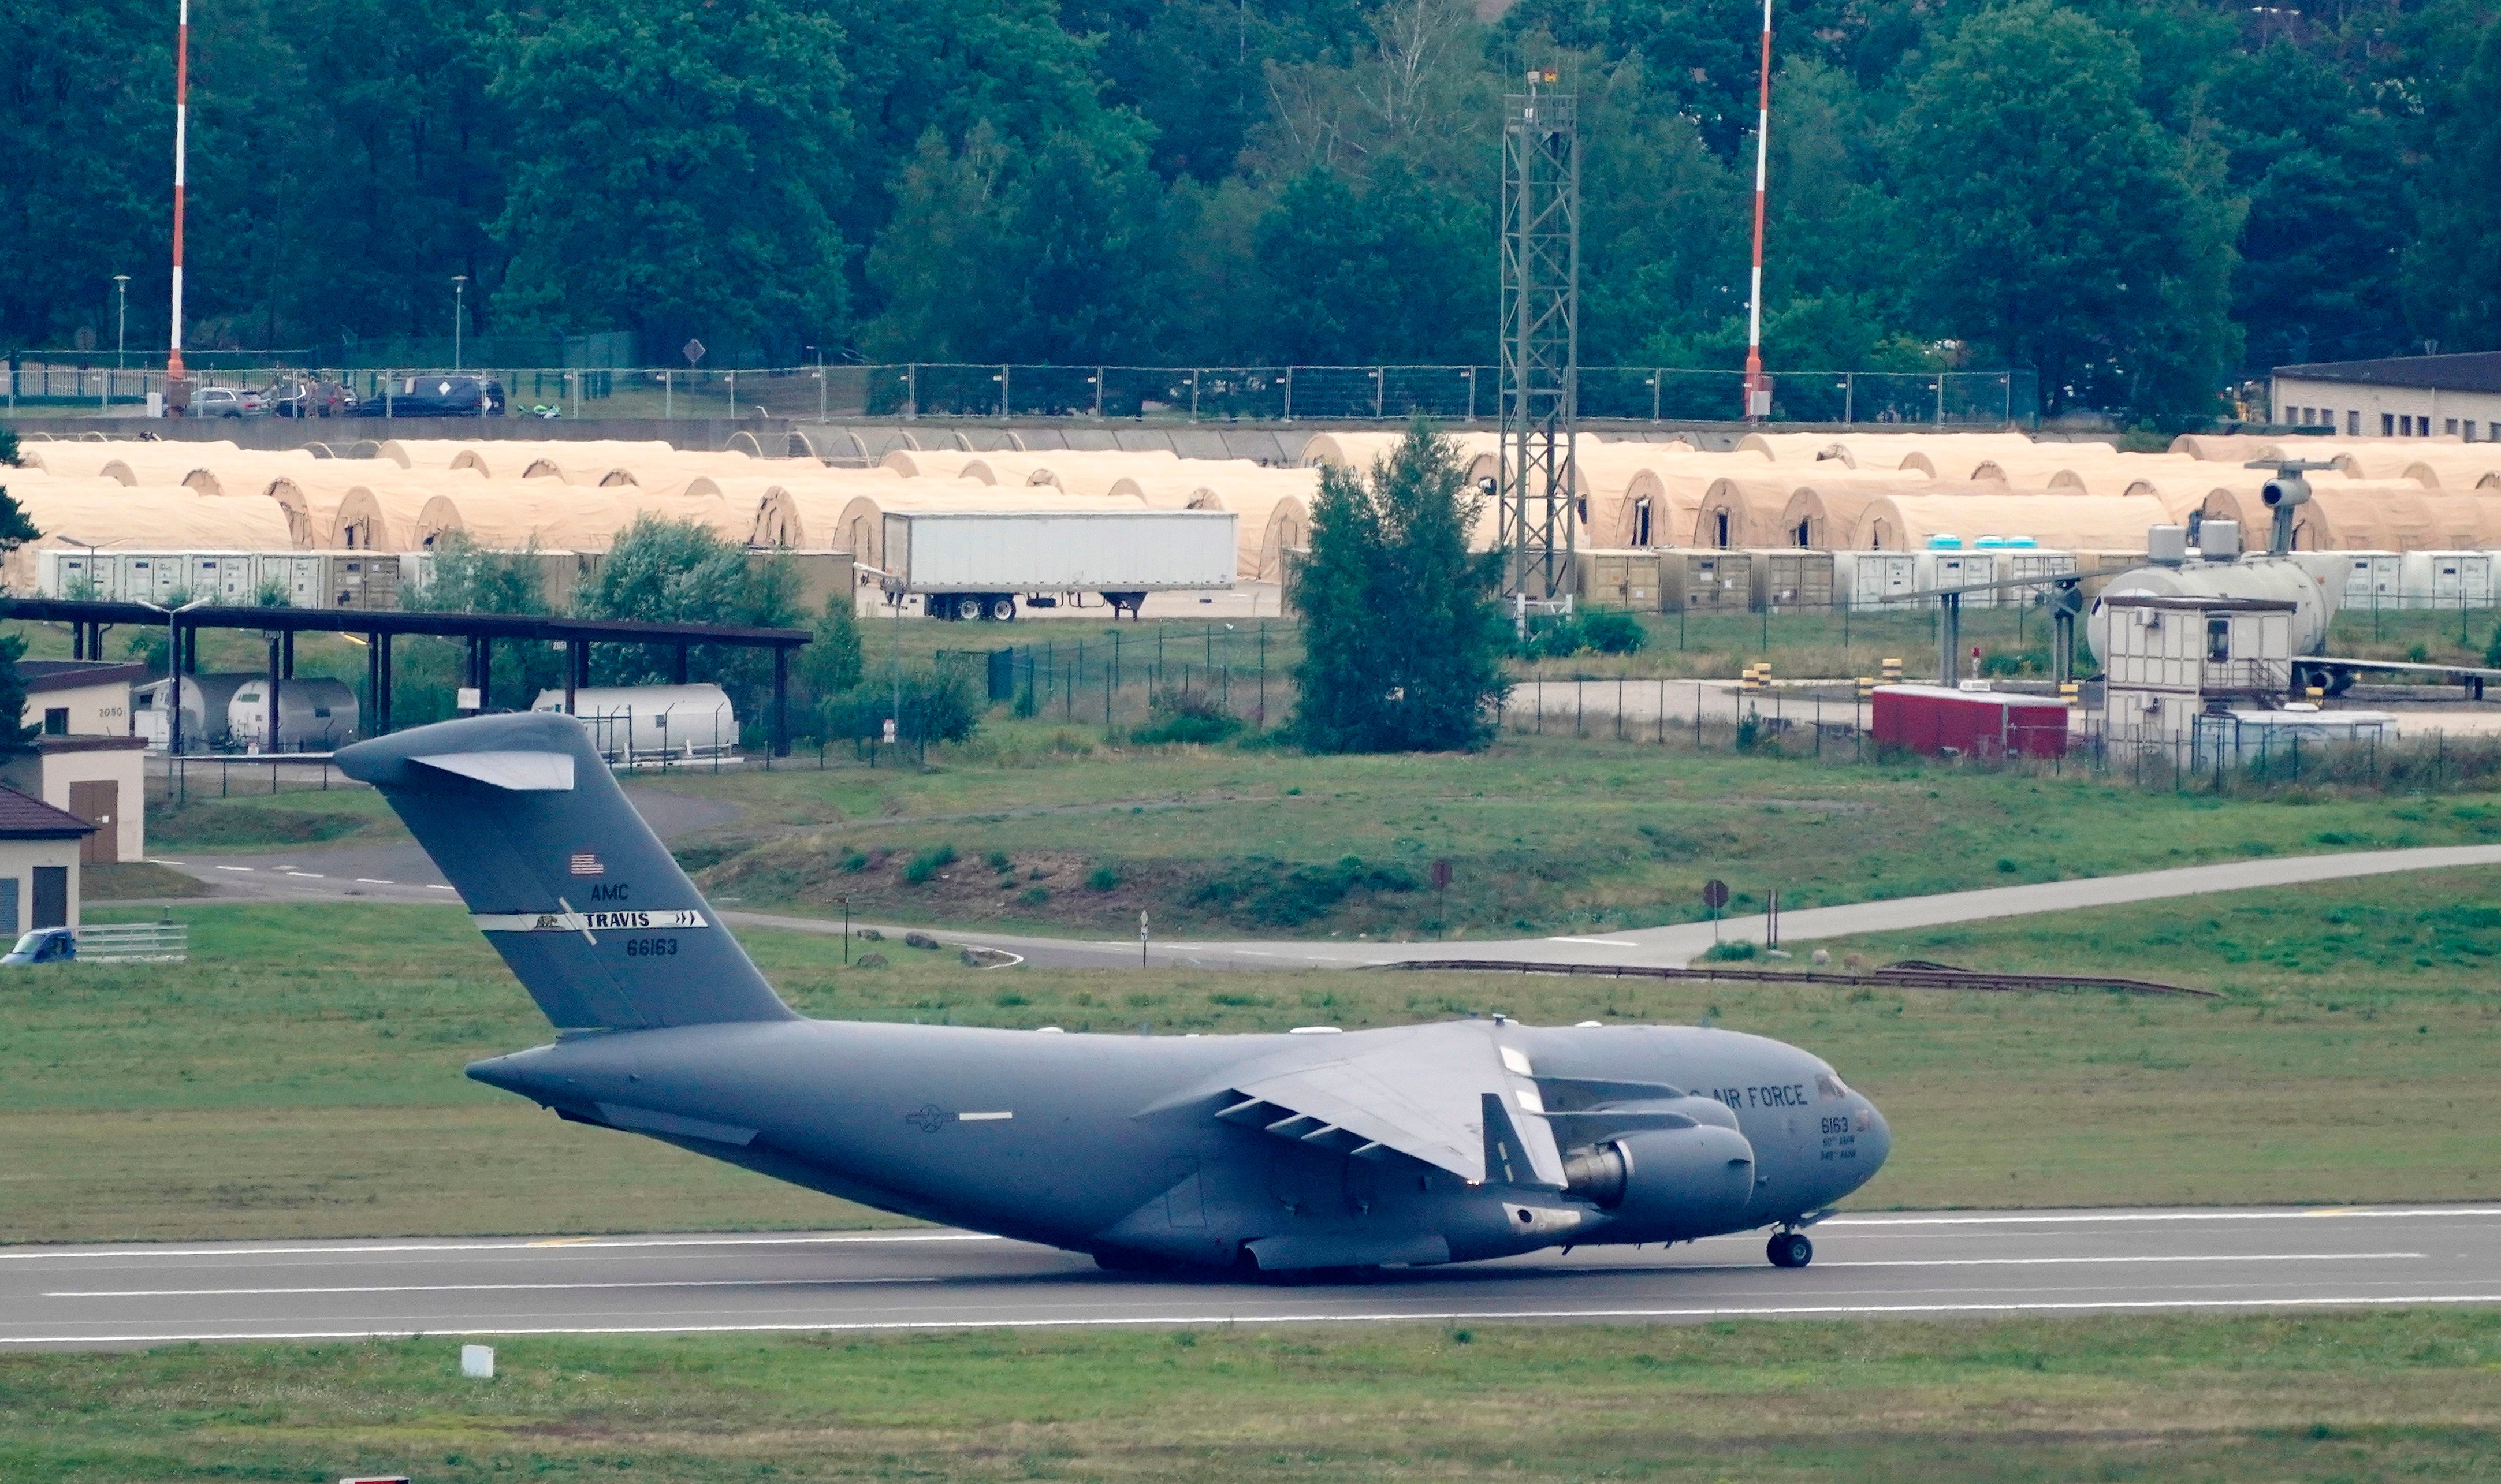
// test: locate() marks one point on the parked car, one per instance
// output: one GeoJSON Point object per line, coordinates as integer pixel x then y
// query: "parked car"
{"type": "Point", "coordinates": [312, 397]}
{"type": "Point", "coordinates": [439, 395]}
{"type": "Point", "coordinates": [45, 945]}
{"type": "Point", "coordinates": [228, 402]}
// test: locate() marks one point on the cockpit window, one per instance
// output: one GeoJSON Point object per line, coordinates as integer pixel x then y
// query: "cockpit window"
{"type": "Point", "coordinates": [1831, 1085]}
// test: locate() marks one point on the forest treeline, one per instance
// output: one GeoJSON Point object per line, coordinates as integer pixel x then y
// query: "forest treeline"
{"type": "Point", "coordinates": [2142, 200]}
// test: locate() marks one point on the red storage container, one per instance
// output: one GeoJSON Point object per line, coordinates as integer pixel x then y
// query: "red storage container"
{"type": "Point", "coordinates": [1982, 723]}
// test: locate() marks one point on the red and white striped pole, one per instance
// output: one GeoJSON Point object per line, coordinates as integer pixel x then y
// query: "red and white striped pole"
{"type": "Point", "coordinates": [182, 126]}
{"type": "Point", "coordinates": [1758, 401]}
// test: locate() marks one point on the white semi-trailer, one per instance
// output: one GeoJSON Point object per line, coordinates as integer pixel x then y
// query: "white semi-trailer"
{"type": "Point", "coordinates": [967, 564]}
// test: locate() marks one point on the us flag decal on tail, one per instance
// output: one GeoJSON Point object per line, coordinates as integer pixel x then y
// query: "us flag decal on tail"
{"type": "Point", "coordinates": [586, 864]}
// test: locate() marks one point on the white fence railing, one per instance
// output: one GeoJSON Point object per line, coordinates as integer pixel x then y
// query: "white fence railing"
{"type": "Point", "coordinates": [133, 942]}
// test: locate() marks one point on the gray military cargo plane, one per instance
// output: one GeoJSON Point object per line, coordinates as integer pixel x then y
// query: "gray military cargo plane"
{"type": "Point", "coordinates": [1312, 1152]}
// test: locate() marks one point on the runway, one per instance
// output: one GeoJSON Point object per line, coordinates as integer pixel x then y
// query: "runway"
{"type": "Point", "coordinates": [1895, 1264]}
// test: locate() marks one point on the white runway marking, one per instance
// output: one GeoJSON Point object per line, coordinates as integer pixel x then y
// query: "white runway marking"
{"type": "Point", "coordinates": [542, 1243]}
{"type": "Point", "coordinates": [374, 881]}
{"type": "Point", "coordinates": [2083, 1217]}
{"type": "Point", "coordinates": [234, 867]}
{"type": "Point", "coordinates": [1603, 943]}
{"type": "Point", "coordinates": [2055, 1262]}
{"type": "Point", "coordinates": [478, 1288]}
{"type": "Point", "coordinates": [306, 876]}
{"type": "Point", "coordinates": [1444, 1316]}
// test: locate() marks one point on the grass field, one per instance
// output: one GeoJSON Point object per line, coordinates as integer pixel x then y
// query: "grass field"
{"type": "Point", "coordinates": [1049, 828]}
{"type": "Point", "coordinates": [2314, 1397]}
{"type": "Point", "coordinates": [301, 1076]}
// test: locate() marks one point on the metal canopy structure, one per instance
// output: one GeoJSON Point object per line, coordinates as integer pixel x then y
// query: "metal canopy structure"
{"type": "Point", "coordinates": [1541, 335]}
{"type": "Point", "coordinates": [87, 621]}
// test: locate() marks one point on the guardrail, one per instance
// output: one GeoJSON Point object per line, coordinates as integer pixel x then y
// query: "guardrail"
{"type": "Point", "coordinates": [133, 942]}
{"type": "Point", "coordinates": [1898, 976]}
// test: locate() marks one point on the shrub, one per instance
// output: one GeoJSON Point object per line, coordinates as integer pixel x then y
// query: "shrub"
{"type": "Point", "coordinates": [1181, 716]}
{"type": "Point", "coordinates": [998, 860]}
{"type": "Point", "coordinates": [928, 864]}
{"type": "Point", "coordinates": [870, 961]}
{"type": "Point", "coordinates": [1034, 896]}
{"type": "Point", "coordinates": [1725, 953]}
{"type": "Point", "coordinates": [1613, 631]}
{"type": "Point", "coordinates": [1102, 878]}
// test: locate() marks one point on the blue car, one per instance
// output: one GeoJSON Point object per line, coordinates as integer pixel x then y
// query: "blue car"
{"type": "Point", "coordinates": [45, 945]}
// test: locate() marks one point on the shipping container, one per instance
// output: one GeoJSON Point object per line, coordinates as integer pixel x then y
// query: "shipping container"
{"type": "Point", "coordinates": [1619, 577]}
{"type": "Point", "coordinates": [1706, 581]}
{"type": "Point", "coordinates": [1876, 579]}
{"type": "Point", "coordinates": [968, 564]}
{"type": "Point", "coordinates": [1793, 579]}
{"type": "Point", "coordinates": [1939, 722]}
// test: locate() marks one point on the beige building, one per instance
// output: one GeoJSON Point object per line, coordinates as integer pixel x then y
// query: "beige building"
{"type": "Point", "coordinates": [86, 761]}
{"type": "Point", "coordinates": [39, 864]}
{"type": "Point", "coordinates": [2454, 397]}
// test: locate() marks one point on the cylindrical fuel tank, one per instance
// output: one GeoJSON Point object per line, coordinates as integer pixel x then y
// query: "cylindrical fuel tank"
{"type": "Point", "coordinates": [2303, 584]}
{"type": "Point", "coordinates": [314, 715]}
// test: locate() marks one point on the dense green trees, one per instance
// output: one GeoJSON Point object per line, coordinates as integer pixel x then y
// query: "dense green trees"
{"type": "Point", "coordinates": [2144, 198]}
{"type": "Point", "coordinates": [1403, 636]}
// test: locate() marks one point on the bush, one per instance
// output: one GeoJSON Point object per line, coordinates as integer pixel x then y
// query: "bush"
{"type": "Point", "coordinates": [928, 864]}
{"type": "Point", "coordinates": [1727, 954]}
{"type": "Point", "coordinates": [1179, 716]}
{"type": "Point", "coordinates": [1260, 893]}
{"type": "Point", "coordinates": [998, 860]}
{"type": "Point", "coordinates": [870, 961]}
{"type": "Point", "coordinates": [1613, 631]}
{"type": "Point", "coordinates": [1102, 878]}
{"type": "Point", "coordinates": [1597, 631]}
{"type": "Point", "coordinates": [938, 705]}
{"type": "Point", "coordinates": [1035, 896]}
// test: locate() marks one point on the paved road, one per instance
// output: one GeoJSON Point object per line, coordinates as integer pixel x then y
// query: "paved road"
{"type": "Point", "coordinates": [398, 871]}
{"type": "Point", "coordinates": [401, 872]}
{"type": "Point", "coordinates": [1895, 1264]}
{"type": "Point", "coordinates": [1686, 941]}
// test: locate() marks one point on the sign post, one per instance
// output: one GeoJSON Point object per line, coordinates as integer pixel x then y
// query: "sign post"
{"type": "Point", "coordinates": [1141, 940]}
{"type": "Point", "coordinates": [1715, 896]}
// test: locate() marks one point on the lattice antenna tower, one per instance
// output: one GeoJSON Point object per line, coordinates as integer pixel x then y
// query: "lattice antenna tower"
{"type": "Point", "coordinates": [1540, 333]}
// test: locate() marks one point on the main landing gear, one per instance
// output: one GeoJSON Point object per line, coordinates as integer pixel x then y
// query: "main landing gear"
{"type": "Point", "coordinates": [1789, 1249]}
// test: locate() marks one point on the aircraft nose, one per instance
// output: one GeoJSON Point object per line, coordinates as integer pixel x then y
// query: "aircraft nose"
{"type": "Point", "coordinates": [1877, 1142]}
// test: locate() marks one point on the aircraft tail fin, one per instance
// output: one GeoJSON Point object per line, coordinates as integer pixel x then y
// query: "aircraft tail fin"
{"type": "Point", "coordinates": [582, 900]}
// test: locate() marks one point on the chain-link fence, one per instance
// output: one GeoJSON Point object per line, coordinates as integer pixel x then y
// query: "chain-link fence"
{"type": "Point", "coordinates": [1469, 394]}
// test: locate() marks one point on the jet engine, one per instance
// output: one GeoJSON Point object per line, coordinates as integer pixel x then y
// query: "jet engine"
{"type": "Point", "coordinates": [1667, 1184]}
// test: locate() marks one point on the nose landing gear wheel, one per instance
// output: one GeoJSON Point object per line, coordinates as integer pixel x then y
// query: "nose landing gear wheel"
{"type": "Point", "coordinates": [1790, 1249]}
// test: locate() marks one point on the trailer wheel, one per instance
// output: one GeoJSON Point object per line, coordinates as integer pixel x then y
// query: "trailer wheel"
{"type": "Point", "coordinates": [967, 607]}
{"type": "Point", "coordinates": [1003, 608]}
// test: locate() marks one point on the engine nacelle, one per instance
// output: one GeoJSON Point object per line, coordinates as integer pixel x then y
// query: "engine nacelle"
{"type": "Point", "coordinates": [1667, 1184]}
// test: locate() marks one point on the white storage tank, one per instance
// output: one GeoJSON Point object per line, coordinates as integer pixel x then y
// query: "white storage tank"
{"type": "Point", "coordinates": [314, 715]}
{"type": "Point", "coordinates": [205, 699]}
{"type": "Point", "coordinates": [627, 722]}
{"type": "Point", "coordinates": [2289, 580]}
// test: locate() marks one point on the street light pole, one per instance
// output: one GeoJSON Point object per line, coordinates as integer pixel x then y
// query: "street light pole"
{"type": "Point", "coordinates": [459, 296]}
{"type": "Point", "coordinates": [122, 329]}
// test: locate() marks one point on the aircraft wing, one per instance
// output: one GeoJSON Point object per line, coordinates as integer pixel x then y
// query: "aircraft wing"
{"type": "Point", "coordinates": [1452, 1095]}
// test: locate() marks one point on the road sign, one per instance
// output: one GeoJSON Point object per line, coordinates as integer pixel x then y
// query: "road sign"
{"type": "Point", "coordinates": [693, 351]}
{"type": "Point", "coordinates": [1715, 894]}
{"type": "Point", "coordinates": [1441, 876]}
